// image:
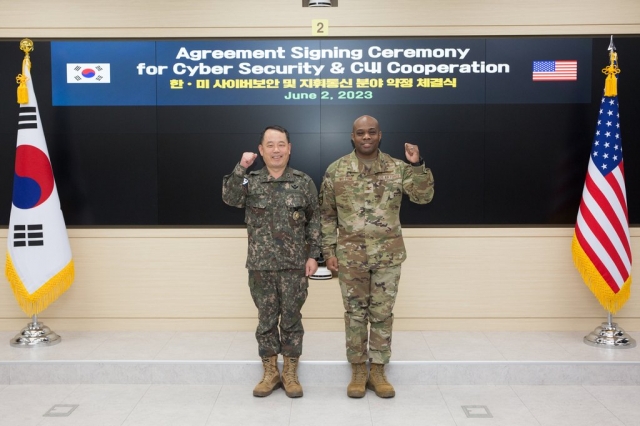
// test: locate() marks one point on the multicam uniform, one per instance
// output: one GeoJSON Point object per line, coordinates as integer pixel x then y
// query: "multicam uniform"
{"type": "Point", "coordinates": [283, 224]}
{"type": "Point", "coordinates": [360, 208]}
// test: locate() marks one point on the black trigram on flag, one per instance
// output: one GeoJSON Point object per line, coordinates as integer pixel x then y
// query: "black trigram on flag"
{"type": "Point", "coordinates": [27, 118]}
{"type": "Point", "coordinates": [99, 68]}
{"type": "Point", "coordinates": [77, 68]}
{"type": "Point", "coordinates": [28, 235]}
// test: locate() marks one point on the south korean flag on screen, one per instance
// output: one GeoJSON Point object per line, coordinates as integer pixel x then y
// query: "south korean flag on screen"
{"type": "Point", "coordinates": [88, 73]}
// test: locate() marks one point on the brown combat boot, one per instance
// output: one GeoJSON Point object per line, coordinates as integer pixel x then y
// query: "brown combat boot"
{"type": "Point", "coordinates": [290, 378]}
{"type": "Point", "coordinates": [378, 382]}
{"type": "Point", "coordinates": [357, 387]}
{"type": "Point", "coordinates": [271, 378]}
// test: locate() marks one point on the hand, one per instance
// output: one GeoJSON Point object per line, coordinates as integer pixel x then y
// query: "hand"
{"type": "Point", "coordinates": [412, 152]}
{"type": "Point", "coordinates": [247, 159]}
{"type": "Point", "coordinates": [332, 264]}
{"type": "Point", "coordinates": [311, 267]}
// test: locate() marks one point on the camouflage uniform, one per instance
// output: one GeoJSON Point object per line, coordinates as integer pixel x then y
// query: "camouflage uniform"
{"type": "Point", "coordinates": [360, 210]}
{"type": "Point", "coordinates": [283, 224]}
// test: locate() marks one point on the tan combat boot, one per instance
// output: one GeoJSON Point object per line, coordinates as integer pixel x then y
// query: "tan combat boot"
{"type": "Point", "coordinates": [378, 382]}
{"type": "Point", "coordinates": [357, 387]}
{"type": "Point", "coordinates": [271, 378]}
{"type": "Point", "coordinates": [290, 378]}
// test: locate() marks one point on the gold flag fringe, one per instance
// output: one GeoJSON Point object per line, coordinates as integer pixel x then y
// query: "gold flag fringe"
{"type": "Point", "coordinates": [609, 300]}
{"type": "Point", "coordinates": [33, 304]}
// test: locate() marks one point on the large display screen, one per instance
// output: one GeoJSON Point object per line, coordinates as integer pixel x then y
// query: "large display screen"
{"type": "Point", "coordinates": [327, 72]}
{"type": "Point", "coordinates": [142, 132]}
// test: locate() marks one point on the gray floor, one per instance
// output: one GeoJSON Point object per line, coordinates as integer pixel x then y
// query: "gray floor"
{"type": "Point", "coordinates": [206, 378]}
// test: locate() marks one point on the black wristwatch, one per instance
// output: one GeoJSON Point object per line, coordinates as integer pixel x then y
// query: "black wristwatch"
{"type": "Point", "coordinates": [419, 163]}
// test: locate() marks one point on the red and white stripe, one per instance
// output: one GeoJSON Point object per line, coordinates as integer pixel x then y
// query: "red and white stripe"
{"type": "Point", "coordinates": [602, 227]}
{"type": "Point", "coordinates": [564, 71]}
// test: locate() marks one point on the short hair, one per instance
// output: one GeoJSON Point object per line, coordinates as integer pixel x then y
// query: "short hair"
{"type": "Point", "coordinates": [277, 128]}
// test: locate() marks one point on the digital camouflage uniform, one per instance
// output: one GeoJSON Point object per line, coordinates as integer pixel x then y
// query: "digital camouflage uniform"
{"type": "Point", "coordinates": [360, 210]}
{"type": "Point", "coordinates": [283, 224]}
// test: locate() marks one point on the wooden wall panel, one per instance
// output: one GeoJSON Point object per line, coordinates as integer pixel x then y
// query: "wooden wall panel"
{"type": "Point", "coordinates": [454, 278]}
{"type": "Point", "coordinates": [287, 18]}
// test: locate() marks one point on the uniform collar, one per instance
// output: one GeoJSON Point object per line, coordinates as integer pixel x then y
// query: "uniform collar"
{"type": "Point", "coordinates": [379, 165]}
{"type": "Point", "coordinates": [287, 175]}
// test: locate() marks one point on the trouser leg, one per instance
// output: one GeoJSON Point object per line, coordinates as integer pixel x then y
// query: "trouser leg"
{"type": "Point", "coordinates": [264, 291]}
{"type": "Point", "coordinates": [354, 285]}
{"type": "Point", "coordinates": [384, 288]}
{"type": "Point", "coordinates": [293, 285]}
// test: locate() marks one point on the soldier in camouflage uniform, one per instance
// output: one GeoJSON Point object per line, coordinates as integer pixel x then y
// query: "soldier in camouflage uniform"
{"type": "Point", "coordinates": [283, 224]}
{"type": "Point", "coordinates": [362, 240]}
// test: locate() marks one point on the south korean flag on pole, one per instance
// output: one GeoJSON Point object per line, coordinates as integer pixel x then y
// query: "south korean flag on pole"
{"type": "Point", "coordinates": [88, 73]}
{"type": "Point", "coordinates": [39, 266]}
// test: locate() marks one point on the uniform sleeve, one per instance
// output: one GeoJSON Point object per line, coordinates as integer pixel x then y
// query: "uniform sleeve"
{"type": "Point", "coordinates": [312, 232]}
{"type": "Point", "coordinates": [234, 193]}
{"type": "Point", "coordinates": [329, 216]}
{"type": "Point", "coordinates": [417, 183]}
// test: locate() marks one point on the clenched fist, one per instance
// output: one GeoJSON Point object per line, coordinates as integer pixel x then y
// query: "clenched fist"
{"type": "Point", "coordinates": [412, 152]}
{"type": "Point", "coordinates": [247, 159]}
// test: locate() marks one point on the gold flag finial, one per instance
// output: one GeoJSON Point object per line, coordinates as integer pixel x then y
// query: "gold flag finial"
{"type": "Point", "coordinates": [26, 46]}
{"type": "Point", "coordinates": [611, 82]}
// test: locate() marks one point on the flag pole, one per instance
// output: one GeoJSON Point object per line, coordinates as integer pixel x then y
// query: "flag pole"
{"type": "Point", "coordinates": [608, 334]}
{"type": "Point", "coordinates": [35, 334]}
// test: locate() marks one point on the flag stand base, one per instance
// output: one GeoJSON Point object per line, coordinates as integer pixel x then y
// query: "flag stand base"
{"type": "Point", "coordinates": [609, 335]}
{"type": "Point", "coordinates": [35, 334]}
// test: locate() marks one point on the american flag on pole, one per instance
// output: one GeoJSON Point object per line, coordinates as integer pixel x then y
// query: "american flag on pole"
{"type": "Point", "coordinates": [555, 70]}
{"type": "Point", "coordinates": [39, 266]}
{"type": "Point", "coordinates": [601, 243]}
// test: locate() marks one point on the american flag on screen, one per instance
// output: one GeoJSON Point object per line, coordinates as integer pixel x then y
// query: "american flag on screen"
{"type": "Point", "coordinates": [601, 243]}
{"type": "Point", "coordinates": [555, 70]}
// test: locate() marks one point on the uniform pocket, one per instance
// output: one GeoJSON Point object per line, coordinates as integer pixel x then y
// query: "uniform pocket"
{"type": "Point", "coordinates": [296, 205]}
{"type": "Point", "coordinates": [392, 197]}
{"type": "Point", "coordinates": [348, 195]}
{"type": "Point", "coordinates": [255, 211]}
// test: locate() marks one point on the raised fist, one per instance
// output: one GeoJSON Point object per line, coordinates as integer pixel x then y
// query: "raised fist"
{"type": "Point", "coordinates": [247, 159]}
{"type": "Point", "coordinates": [412, 152]}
